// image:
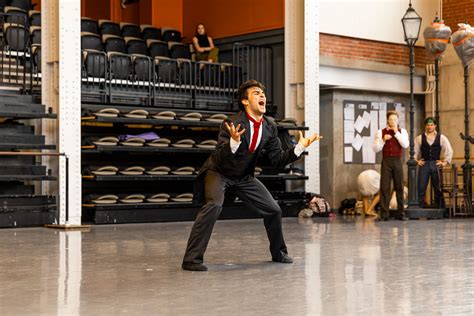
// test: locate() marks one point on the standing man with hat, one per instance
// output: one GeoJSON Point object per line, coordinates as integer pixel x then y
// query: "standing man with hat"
{"type": "Point", "coordinates": [432, 152]}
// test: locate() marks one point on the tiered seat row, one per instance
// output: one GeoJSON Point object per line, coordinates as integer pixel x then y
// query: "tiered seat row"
{"type": "Point", "coordinates": [150, 66]}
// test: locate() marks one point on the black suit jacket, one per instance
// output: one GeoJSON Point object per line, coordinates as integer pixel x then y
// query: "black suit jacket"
{"type": "Point", "coordinates": [242, 163]}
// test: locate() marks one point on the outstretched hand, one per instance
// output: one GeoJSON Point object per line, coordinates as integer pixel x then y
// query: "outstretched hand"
{"type": "Point", "coordinates": [234, 132]}
{"type": "Point", "coordinates": [308, 141]}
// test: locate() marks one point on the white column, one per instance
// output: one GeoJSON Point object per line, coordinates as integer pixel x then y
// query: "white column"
{"type": "Point", "coordinates": [311, 90]}
{"type": "Point", "coordinates": [61, 90]}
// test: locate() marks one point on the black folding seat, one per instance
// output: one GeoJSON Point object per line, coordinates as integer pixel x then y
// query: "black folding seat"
{"type": "Point", "coordinates": [131, 30]}
{"type": "Point", "coordinates": [108, 27]}
{"type": "Point", "coordinates": [170, 35]}
{"type": "Point", "coordinates": [89, 25]}
{"type": "Point", "coordinates": [16, 15]}
{"type": "Point", "coordinates": [119, 60]}
{"type": "Point", "coordinates": [157, 48]}
{"type": "Point", "coordinates": [94, 60]}
{"type": "Point", "coordinates": [36, 52]}
{"type": "Point", "coordinates": [16, 36]}
{"type": "Point", "coordinates": [35, 34]}
{"type": "Point", "coordinates": [141, 63]}
{"type": "Point", "coordinates": [22, 4]}
{"type": "Point", "coordinates": [3, 4]}
{"type": "Point", "coordinates": [136, 46]}
{"type": "Point", "coordinates": [114, 43]}
{"type": "Point", "coordinates": [150, 32]}
{"type": "Point", "coordinates": [35, 18]}
{"type": "Point", "coordinates": [91, 41]}
{"type": "Point", "coordinates": [165, 70]}
{"type": "Point", "coordinates": [179, 50]}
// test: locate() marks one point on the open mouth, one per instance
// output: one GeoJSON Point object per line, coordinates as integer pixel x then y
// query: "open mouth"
{"type": "Point", "coordinates": [261, 103]}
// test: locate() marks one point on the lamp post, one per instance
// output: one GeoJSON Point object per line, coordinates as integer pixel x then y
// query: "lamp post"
{"type": "Point", "coordinates": [411, 22]}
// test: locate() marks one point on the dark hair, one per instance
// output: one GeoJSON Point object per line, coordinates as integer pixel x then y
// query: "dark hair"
{"type": "Point", "coordinates": [196, 31]}
{"type": "Point", "coordinates": [431, 119]}
{"type": "Point", "coordinates": [391, 113]}
{"type": "Point", "coordinates": [242, 94]}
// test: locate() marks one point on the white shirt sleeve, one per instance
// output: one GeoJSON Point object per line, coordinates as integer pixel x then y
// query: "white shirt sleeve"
{"type": "Point", "coordinates": [446, 148]}
{"type": "Point", "coordinates": [299, 149]}
{"type": "Point", "coordinates": [418, 147]}
{"type": "Point", "coordinates": [234, 145]}
{"type": "Point", "coordinates": [378, 142]}
{"type": "Point", "coordinates": [402, 137]}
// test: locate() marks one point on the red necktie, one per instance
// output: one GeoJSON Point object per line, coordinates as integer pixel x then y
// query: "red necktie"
{"type": "Point", "coordinates": [256, 128]}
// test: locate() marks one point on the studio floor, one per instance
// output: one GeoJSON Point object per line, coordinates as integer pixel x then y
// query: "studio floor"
{"type": "Point", "coordinates": [342, 267]}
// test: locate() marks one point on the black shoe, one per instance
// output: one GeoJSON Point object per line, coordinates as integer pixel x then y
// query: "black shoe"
{"type": "Point", "coordinates": [402, 217]}
{"type": "Point", "coordinates": [193, 266]}
{"type": "Point", "coordinates": [382, 218]}
{"type": "Point", "coordinates": [284, 259]}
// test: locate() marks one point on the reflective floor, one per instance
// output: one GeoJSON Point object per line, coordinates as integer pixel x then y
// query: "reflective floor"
{"type": "Point", "coordinates": [342, 267]}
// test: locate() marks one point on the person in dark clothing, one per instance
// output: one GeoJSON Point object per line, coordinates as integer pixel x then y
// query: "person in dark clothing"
{"type": "Point", "coordinates": [241, 140]}
{"type": "Point", "coordinates": [204, 45]}
{"type": "Point", "coordinates": [432, 151]}
{"type": "Point", "coordinates": [391, 140]}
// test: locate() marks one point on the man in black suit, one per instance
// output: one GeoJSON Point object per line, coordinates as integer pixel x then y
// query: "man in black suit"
{"type": "Point", "coordinates": [232, 166]}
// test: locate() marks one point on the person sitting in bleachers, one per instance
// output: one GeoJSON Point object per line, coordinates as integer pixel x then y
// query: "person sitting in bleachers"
{"type": "Point", "coordinates": [204, 46]}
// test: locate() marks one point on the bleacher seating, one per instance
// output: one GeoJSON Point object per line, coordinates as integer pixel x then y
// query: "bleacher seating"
{"type": "Point", "coordinates": [35, 17]}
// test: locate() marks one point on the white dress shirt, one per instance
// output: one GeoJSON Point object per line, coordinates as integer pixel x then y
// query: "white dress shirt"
{"type": "Point", "coordinates": [299, 148]}
{"type": "Point", "coordinates": [446, 149]}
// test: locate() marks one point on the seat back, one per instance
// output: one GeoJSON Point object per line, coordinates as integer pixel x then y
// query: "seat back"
{"type": "Point", "coordinates": [150, 32]}
{"type": "Point", "coordinates": [131, 30]}
{"type": "Point", "coordinates": [157, 48]}
{"type": "Point", "coordinates": [114, 44]}
{"type": "Point", "coordinates": [91, 41]}
{"type": "Point", "coordinates": [35, 18]}
{"type": "Point", "coordinates": [90, 26]}
{"type": "Point", "coordinates": [136, 46]}
{"type": "Point", "coordinates": [16, 36]}
{"type": "Point", "coordinates": [16, 15]}
{"type": "Point", "coordinates": [22, 4]}
{"type": "Point", "coordinates": [35, 34]}
{"type": "Point", "coordinates": [170, 35]}
{"type": "Point", "coordinates": [178, 50]}
{"type": "Point", "coordinates": [120, 65]}
{"type": "Point", "coordinates": [109, 28]}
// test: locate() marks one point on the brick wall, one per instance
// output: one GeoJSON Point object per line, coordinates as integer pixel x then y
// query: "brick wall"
{"type": "Point", "coordinates": [458, 11]}
{"type": "Point", "coordinates": [362, 49]}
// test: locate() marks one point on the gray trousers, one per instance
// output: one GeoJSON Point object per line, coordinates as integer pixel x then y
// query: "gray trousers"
{"type": "Point", "coordinates": [392, 169]}
{"type": "Point", "coordinates": [255, 196]}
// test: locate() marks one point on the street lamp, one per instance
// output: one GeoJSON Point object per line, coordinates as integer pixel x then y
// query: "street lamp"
{"type": "Point", "coordinates": [411, 22]}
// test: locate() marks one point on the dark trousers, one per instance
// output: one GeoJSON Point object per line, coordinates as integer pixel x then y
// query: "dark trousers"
{"type": "Point", "coordinates": [392, 169]}
{"type": "Point", "coordinates": [429, 169]}
{"type": "Point", "coordinates": [255, 196]}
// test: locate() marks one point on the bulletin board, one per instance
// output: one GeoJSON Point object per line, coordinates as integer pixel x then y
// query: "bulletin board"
{"type": "Point", "coordinates": [361, 121]}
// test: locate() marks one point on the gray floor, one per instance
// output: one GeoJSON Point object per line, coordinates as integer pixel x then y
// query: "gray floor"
{"type": "Point", "coordinates": [342, 267]}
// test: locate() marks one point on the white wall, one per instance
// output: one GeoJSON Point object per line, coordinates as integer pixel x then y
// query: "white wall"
{"type": "Point", "coordinates": [378, 20]}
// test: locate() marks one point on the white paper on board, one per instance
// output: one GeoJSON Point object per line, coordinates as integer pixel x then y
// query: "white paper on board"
{"type": "Point", "coordinates": [348, 126]}
{"type": "Point", "coordinates": [357, 142]}
{"type": "Point", "coordinates": [348, 137]}
{"type": "Point", "coordinates": [349, 112]}
{"type": "Point", "coordinates": [359, 124]}
{"type": "Point", "coordinates": [368, 154]}
{"type": "Point", "coordinates": [366, 118]}
{"type": "Point", "coordinates": [347, 154]}
{"type": "Point", "coordinates": [374, 123]}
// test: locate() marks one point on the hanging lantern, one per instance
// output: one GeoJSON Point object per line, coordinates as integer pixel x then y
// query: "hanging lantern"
{"type": "Point", "coordinates": [437, 36]}
{"type": "Point", "coordinates": [463, 42]}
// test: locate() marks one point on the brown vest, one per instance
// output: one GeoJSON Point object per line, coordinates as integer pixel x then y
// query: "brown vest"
{"type": "Point", "coordinates": [392, 147]}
